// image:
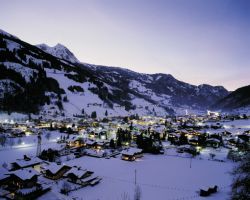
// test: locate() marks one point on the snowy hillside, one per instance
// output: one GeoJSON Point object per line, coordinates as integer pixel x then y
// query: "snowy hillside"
{"type": "Point", "coordinates": [238, 100]}
{"type": "Point", "coordinates": [59, 51]}
{"type": "Point", "coordinates": [54, 83]}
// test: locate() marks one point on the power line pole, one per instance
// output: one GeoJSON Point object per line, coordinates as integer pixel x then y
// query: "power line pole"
{"type": "Point", "coordinates": [39, 148]}
{"type": "Point", "coordinates": [135, 177]}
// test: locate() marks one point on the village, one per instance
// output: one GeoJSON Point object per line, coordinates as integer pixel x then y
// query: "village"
{"type": "Point", "coordinates": [38, 155]}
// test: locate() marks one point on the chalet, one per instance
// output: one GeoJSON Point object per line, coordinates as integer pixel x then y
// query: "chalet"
{"type": "Point", "coordinates": [232, 141]}
{"type": "Point", "coordinates": [3, 176]}
{"type": "Point", "coordinates": [54, 171]}
{"type": "Point", "coordinates": [91, 143]}
{"type": "Point", "coordinates": [26, 162]}
{"type": "Point", "coordinates": [173, 137]}
{"type": "Point", "coordinates": [18, 133]}
{"type": "Point", "coordinates": [22, 184]}
{"type": "Point", "coordinates": [75, 174]}
{"type": "Point", "coordinates": [79, 142]}
{"type": "Point", "coordinates": [22, 178]}
{"type": "Point", "coordinates": [31, 193]}
{"type": "Point", "coordinates": [131, 154]}
{"type": "Point", "coordinates": [226, 133]}
{"type": "Point", "coordinates": [187, 149]}
{"type": "Point", "coordinates": [204, 192]}
{"type": "Point", "coordinates": [244, 137]}
{"type": "Point", "coordinates": [91, 180]}
{"type": "Point", "coordinates": [213, 142]}
{"type": "Point", "coordinates": [193, 141]}
{"type": "Point", "coordinates": [101, 145]}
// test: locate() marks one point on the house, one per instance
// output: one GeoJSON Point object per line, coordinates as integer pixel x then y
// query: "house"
{"type": "Point", "coordinates": [187, 148]}
{"type": "Point", "coordinates": [22, 178]}
{"type": "Point", "coordinates": [131, 154]}
{"type": "Point", "coordinates": [75, 174]}
{"type": "Point", "coordinates": [204, 192]}
{"type": "Point", "coordinates": [244, 137]}
{"type": "Point", "coordinates": [91, 143]}
{"type": "Point", "coordinates": [22, 184]}
{"type": "Point", "coordinates": [173, 137]}
{"type": "Point", "coordinates": [82, 177]}
{"type": "Point", "coordinates": [91, 180]}
{"type": "Point", "coordinates": [54, 171]}
{"type": "Point", "coordinates": [26, 162]}
{"type": "Point", "coordinates": [193, 141]}
{"type": "Point", "coordinates": [213, 142]}
{"type": "Point", "coordinates": [3, 176]}
{"type": "Point", "coordinates": [18, 133]}
{"type": "Point", "coordinates": [31, 193]}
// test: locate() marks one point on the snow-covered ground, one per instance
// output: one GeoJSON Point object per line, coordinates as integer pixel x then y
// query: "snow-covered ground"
{"type": "Point", "coordinates": [159, 176]}
{"type": "Point", "coordinates": [170, 176]}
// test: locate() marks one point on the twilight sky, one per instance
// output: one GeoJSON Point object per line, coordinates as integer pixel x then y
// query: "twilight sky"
{"type": "Point", "coordinates": [197, 41]}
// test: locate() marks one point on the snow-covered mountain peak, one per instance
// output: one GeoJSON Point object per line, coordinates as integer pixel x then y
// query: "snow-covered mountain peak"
{"type": "Point", "coordinates": [59, 51]}
{"type": "Point", "coordinates": [2, 32]}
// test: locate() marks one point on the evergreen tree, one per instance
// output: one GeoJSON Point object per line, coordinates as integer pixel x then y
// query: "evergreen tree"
{"type": "Point", "coordinates": [93, 115]}
{"type": "Point", "coordinates": [183, 139]}
{"type": "Point", "coordinates": [112, 144]}
{"type": "Point", "coordinates": [241, 182]}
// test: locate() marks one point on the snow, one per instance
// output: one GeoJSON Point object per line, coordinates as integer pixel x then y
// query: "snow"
{"type": "Point", "coordinates": [6, 86]}
{"type": "Point", "coordinates": [26, 72]}
{"type": "Point", "coordinates": [83, 100]}
{"type": "Point", "coordinates": [158, 77]}
{"type": "Point", "coordinates": [59, 51]}
{"type": "Point", "coordinates": [142, 111]}
{"type": "Point", "coordinates": [27, 190]}
{"type": "Point", "coordinates": [53, 167]}
{"type": "Point", "coordinates": [2, 32]}
{"type": "Point", "coordinates": [13, 117]}
{"type": "Point", "coordinates": [76, 171]}
{"type": "Point", "coordinates": [160, 177]}
{"type": "Point", "coordinates": [11, 45]}
{"type": "Point", "coordinates": [25, 174]}
{"type": "Point", "coordinates": [33, 161]}
{"type": "Point", "coordinates": [131, 151]}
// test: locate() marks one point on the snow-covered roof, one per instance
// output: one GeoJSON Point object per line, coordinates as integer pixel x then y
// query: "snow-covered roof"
{"type": "Point", "coordinates": [3, 173]}
{"type": "Point", "coordinates": [24, 163]}
{"type": "Point", "coordinates": [25, 174]}
{"type": "Point", "coordinates": [27, 190]}
{"type": "Point", "coordinates": [89, 178]}
{"type": "Point", "coordinates": [54, 168]}
{"type": "Point", "coordinates": [77, 172]}
{"type": "Point", "coordinates": [90, 142]}
{"type": "Point", "coordinates": [213, 140]}
{"type": "Point", "coordinates": [131, 151]}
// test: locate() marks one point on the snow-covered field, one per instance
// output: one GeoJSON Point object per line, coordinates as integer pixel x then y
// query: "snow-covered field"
{"type": "Point", "coordinates": [172, 176]}
{"type": "Point", "coordinates": [160, 177]}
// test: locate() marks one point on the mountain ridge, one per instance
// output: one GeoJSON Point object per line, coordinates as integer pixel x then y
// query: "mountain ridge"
{"type": "Point", "coordinates": [118, 90]}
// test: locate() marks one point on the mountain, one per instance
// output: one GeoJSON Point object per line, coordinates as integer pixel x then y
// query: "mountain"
{"type": "Point", "coordinates": [51, 81]}
{"type": "Point", "coordinates": [239, 98]}
{"type": "Point", "coordinates": [59, 51]}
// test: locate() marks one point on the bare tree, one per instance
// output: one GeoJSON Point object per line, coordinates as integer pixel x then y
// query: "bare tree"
{"type": "Point", "coordinates": [48, 135]}
{"type": "Point", "coordinates": [212, 155]}
{"type": "Point", "coordinates": [138, 193]}
{"type": "Point", "coordinates": [65, 188]}
{"type": "Point", "coordinates": [19, 141]}
{"type": "Point", "coordinates": [125, 196]}
{"type": "Point", "coordinates": [11, 142]}
{"type": "Point", "coordinates": [5, 165]}
{"type": "Point", "coordinates": [3, 140]}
